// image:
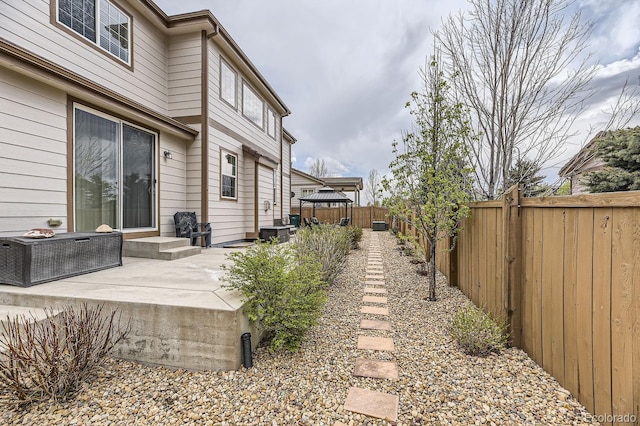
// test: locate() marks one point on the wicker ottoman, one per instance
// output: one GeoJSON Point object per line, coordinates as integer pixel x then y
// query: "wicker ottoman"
{"type": "Point", "coordinates": [25, 262]}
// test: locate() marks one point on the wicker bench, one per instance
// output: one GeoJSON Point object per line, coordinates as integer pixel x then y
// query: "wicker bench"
{"type": "Point", "coordinates": [25, 262]}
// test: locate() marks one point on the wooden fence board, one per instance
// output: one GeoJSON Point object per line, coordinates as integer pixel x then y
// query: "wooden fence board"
{"type": "Point", "coordinates": [497, 276]}
{"type": "Point", "coordinates": [528, 342]}
{"type": "Point", "coordinates": [584, 307]}
{"type": "Point", "coordinates": [602, 310]}
{"type": "Point", "coordinates": [571, 326]}
{"type": "Point", "coordinates": [536, 322]}
{"type": "Point", "coordinates": [579, 293]}
{"type": "Point", "coordinates": [546, 288]}
{"type": "Point", "coordinates": [621, 311]}
{"type": "Point", "coordinates": [482, 260]}
{"type": "Point", "coordinates": [557, 295]}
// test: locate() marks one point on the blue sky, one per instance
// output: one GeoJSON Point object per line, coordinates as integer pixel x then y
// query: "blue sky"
{"type": "Point", "coordinates": [346, 68]}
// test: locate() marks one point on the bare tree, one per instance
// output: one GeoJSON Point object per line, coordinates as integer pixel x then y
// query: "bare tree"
{"type": "Point", "coordinates": [319, 168]}
{"type": "Point", "coordinates": [524, 74]}
{"type": "Point", "coordinates": [372, 187]}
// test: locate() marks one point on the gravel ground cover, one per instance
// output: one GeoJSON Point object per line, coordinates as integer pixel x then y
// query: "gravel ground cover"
{"type": "Point", "coordinates": [438, 383]}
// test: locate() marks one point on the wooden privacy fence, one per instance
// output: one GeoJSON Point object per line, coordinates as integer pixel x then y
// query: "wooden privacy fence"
{"type": "Point", "coordinates": [362, 216]}
{"type": "Point", "coordinates": [565, 271]}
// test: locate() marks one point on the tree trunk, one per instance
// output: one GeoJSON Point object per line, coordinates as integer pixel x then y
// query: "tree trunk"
{"type": "Point", "coordinates": [432, 270]}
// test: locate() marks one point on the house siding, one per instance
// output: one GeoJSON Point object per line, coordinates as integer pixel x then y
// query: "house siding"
{"type": "Point", "coordinates": [286, 178]}
{"type": "Point", "coordinates": [233, 118]}
{"type": "Point", "coordinates": [249, 184]}
{"type": "Point", "coordinates": [298, 183]}
{"type": "Point", "coordinates": [172, 182]}
{"type": "Point", "coordinates": [184, 75]}
{"type": "Point", "coordinates": [33, 158]}
{"type": "Point", "coordinates": [265, 194]}
{"type": "Point", "coordinates": [228, 215]}
{"type": "Point", "coordinates": [27, 24]}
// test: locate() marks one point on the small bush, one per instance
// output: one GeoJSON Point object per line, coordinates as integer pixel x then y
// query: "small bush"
{"type": "Point", "coordinates": [49, 359]}
{"type": "Point", "coordinates": [477, 333]}
{"type": "Point", "coordinates": [356, 236]}
{"type": "Point", "coordinates": [283, 291]}
{"type": "Point", "coordinates": [329, 244]}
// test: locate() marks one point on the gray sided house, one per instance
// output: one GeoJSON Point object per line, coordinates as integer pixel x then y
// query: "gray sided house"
{"type": "Point", "coordinates": [113, 112]}
{"type": "Point", "coordinates": [579, 165]}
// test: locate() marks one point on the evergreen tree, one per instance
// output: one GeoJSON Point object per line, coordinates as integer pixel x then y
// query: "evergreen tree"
{"type": "Point", "coordinates": [525, 172]}
{"type": "Point", "coordinates": [620, 151]}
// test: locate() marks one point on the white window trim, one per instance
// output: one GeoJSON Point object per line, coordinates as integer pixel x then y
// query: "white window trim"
{"type": "Point", "coordinates": [271, 113]}
{"type": "Point", "coordinates": [120, 179]}
{"type": "Point", "coordinates": [245, 84]}
{"type": "Point", "coordinates": [96, 43]}
{"type": "Point", "coordinates": [223, 154]}
{"type": "Point", "coordinates": [235, 83]}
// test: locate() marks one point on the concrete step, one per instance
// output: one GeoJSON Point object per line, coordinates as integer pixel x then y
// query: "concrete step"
{"type": "Point", "coordinates": [178, 253]}
{"type": "Point", "coordinates": [12, 311]}
{"type": "Point", "coordinates": [164, 248]}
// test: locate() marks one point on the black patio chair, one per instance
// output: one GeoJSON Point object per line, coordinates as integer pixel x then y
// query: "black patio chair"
{"type": "Point", "coordinates": [345, 221]}
{"type": "Point", "coordinates": [187, 226]}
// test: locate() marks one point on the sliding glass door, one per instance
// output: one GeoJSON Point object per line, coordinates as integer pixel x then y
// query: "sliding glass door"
{"type": "Point", "coordinates": [114, 173]}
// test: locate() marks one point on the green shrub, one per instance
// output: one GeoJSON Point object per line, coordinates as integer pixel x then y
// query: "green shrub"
{"type": "Point", "coordinates": [50, 358]}
{"type": "Point", "coordinates": [477, 333]}
{"type": "Point", "coordinates": [329, 244]}
{"type": "Point", "coordinates": [284, 291]}
{"type": "Point", "coordinates": [356, 236]}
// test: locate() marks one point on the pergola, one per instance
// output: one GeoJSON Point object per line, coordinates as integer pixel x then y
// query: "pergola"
{"type": "Point", "coordinates": [327, 195]}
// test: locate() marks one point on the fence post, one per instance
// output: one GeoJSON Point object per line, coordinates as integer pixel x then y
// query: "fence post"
{"type": "Point", "coordinates": [512, 262]}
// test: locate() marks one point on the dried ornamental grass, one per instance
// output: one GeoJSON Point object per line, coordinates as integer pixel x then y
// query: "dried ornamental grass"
{"type": "Point", "coordinates": [50, 359]}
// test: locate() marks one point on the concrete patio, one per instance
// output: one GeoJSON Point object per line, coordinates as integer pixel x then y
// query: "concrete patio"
{"type": "Point", "coordinates": [181, 317]}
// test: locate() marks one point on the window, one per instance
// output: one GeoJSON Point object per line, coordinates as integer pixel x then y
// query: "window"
{"type": "Point", "coordinates": [252, 106]}
{"type": "Point", "coordinates": [114, 173]}
{"type": "Point", "coordinates": [100, 22]}
{"type": "Point", "coordinates": [306, 192]}
{"type": "Point", "coordinates": [229, 173]}
{"type": "Point", "coordinates": [228, 84]}
{"type": "Point", "coordinates": [271, 123]}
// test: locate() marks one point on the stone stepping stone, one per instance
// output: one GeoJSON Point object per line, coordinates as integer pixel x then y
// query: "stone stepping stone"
{"type": "Point", "coordinates": [376, 369]}
{"type": "Point", "coordinates": [378, 282]}
{"type": "Point", "coordinates": [337, 423]}
{"type": "Point", "coordinates": [374, 263]}
{"type": "Point", "coordinates": [375, 343]}
{"type": "Point", "coordinates": [368, 324]}
{"type": "Point", "coordinates": [375, 290]}
{"type": "Point", "coordinates": [373, 404]}
{"type": "Point", "coordinates": [374, 299]}
{"type": "Point", "coordinates": [374, 310]}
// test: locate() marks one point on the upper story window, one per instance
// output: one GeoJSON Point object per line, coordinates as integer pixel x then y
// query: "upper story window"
{"type": "Point", "coordinates": [228, 84]}
{"type": "Point", "coordinates": [252, 106]}
{"type": "Point", "coordinates": [271, 123]}
{"type": "Point", "coordinates": [99, 21]}
{"type": "Point", "coordinates": [229, 175]}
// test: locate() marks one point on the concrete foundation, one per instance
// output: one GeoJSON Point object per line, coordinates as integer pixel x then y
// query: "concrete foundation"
{"type": "Point", "coordinates": [180, 315]}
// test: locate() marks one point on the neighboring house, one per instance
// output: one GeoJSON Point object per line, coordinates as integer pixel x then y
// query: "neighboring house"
{"type": "Point", "coordinates": [583, 162]}
{"type": "Point", "coordinates": [303, 184]}
{"type": "Point", "coordinates": [349, 186]}
{"type": "Point", "coordinates": [113, 112]}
